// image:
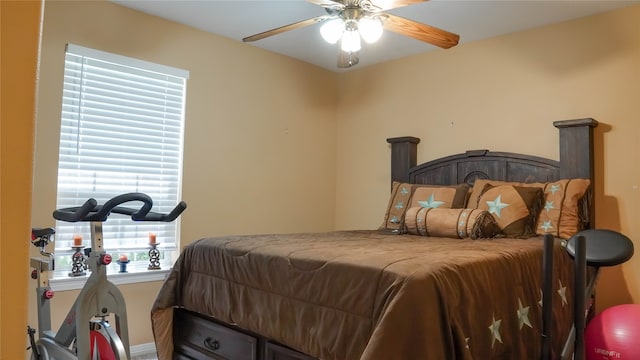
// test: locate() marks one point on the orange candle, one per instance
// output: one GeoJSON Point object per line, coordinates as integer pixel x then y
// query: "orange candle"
{"type": "Point", "coordinates": [77, 240]}
{"type": "Point", "coordinates": [123, 258]}
{"type": "Point", "coordinates": [152, 238]}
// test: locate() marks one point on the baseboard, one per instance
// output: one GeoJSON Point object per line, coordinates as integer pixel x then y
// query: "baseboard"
{"type": "Point", "coordinates": [142, 349]}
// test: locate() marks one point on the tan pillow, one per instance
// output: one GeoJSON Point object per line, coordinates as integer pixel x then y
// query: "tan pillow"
{"type": "Point", "coordinates": [561, 207]}
{"type": "Point", "coordinates": [479, 187]}
{"type": "Point", "coordinates": [405, 195]}
{"type": "Point", "coordinates": [514, 208]}
{"type": "Point", "coordinates": [453, 223]}
{"type": "Point", "coordinates": [560, 212]}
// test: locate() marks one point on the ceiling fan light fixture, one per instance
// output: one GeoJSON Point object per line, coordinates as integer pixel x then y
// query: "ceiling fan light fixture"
{"type": "Point", "coordinates": [332, 30]}
{"type": "Point", "coordinates": [349, 20]}
{"type": "Point", "coordinates": [370, 28]}
{"type": "Point", "coordinates": [350, 41]}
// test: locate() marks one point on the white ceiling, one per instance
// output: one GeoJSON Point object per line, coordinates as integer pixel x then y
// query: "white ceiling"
{"type": "Point", "coordinates": [471, 19]}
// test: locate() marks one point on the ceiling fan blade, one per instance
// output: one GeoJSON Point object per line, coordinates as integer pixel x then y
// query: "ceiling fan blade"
{"type": "Point", "coordinates": [281, 29]}
{"type": "Point", "coordinates": [348, 59]}
{"type": "Point", "coordinates": [392, 4]}
{"type": "Point", "coordinates": [419, 31]}
{"type": "Point", "coordinates": [337, 4]}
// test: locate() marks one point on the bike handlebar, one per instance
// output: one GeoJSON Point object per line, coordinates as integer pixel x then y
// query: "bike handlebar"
{"type": "Point", "coordinates": [91, 211]}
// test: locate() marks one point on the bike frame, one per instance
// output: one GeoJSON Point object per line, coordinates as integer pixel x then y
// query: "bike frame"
{"type": "Point", "coordinates": [99, 298]}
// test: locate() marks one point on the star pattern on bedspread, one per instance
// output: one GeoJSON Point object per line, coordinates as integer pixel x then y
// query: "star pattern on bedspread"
{"type": "Point", "coordinates": [549, 206]}
{"type": "Point", "coordinates": [404, 191]}
{"type": "Point", "coordinates": [495, 330]}
{"type": "Point", "coordinates": [563, 293]}
{"type": "Point", "coordinates": [431, 202]}
{"type": "Point", "coordinates": [523, 315]}
{"type": "Point", "coordinates": [496, 206]}
{"type": "Point", "coordinates": [394, 220]}
{"type": "Point", "coordinates": [399, 205]}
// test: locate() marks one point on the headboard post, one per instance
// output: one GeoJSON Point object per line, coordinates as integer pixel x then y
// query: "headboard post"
{"type": "Point", "coordinates": [576, 153]}
{"type": "Point", "coordinates": [576, 148]}
{"type": "Point", "coordinates": [403, 156]}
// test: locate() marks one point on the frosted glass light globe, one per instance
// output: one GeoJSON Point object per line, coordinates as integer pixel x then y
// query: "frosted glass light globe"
{"type": "Point", "coordinates": [370, 29]}
{"type": "Point", "coordinates": [332, 30]}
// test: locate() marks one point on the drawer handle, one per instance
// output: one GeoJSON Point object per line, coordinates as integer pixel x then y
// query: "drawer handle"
{"type": "Point", "coordinates": [211, 344]}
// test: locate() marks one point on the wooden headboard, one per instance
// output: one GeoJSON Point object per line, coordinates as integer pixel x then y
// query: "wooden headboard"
{"type": "Point", "coordinates": [576, 161]}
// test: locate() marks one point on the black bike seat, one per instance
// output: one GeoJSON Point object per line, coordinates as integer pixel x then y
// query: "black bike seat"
{"type": "Point", "coordinates": [40, 232]}
{"type": "Point", "coordinates": [603, 247]}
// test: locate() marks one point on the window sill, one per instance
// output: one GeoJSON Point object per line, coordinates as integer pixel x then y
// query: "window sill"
{"type": "Point", "coordinates": [131, 277]}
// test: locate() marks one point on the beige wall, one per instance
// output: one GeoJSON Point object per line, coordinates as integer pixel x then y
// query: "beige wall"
{"type": "Point", "coordinates": [259, 135]}
{"type": "Point", "coordinates": [263, 129]}
{"type": "Point", "coordinates": [503, 94]}
{"type": "Point", "coordinates": [20, 22]}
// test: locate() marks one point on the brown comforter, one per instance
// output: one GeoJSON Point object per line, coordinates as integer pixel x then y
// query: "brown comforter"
{"type": "Point", "coordinates": [371, 296]}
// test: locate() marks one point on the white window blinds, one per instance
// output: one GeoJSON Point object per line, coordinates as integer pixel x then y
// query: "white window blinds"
{"type": "Point", "coordinates": [121, 131]}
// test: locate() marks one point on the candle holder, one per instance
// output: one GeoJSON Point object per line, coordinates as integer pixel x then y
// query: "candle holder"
{"type": "Point", "coordinates": [123, 265]}
{"type": "Point", "coordinates": [154, 256]}
{"type": "Point", "coordinates": [78, 261]}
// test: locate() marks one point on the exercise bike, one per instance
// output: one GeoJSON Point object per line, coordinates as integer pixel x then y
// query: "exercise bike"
{"type": "Point", "coordinates": [590, 250]}
{"type": "Point", "coordinates": [85, 333]}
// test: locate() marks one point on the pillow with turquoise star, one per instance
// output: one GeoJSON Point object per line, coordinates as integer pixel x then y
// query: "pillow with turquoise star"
{"type": "Point", "coordinates": [564, 210]}
{"type": "Point", "coordinates": [514, 208]}
{"type": "Point", "coordinates": [565, 206]}
{"type": "Point", "coordinates": [406, 195]}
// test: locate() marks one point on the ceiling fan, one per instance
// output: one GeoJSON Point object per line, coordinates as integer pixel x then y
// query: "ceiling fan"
{"type": "Point", "coordinates": [347, 21]}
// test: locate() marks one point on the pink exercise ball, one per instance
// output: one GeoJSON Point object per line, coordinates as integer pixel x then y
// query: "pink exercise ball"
{"type": "Point", "coordinates": [614, 334]}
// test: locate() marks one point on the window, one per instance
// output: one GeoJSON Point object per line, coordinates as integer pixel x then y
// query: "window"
{"type": "Point", "coordinates": [121, 131]}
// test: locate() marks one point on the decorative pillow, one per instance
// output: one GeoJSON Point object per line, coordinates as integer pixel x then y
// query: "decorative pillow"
{"type": "Point", "coordinates": [405, 195]}
{"type": "Point", "coordinates": [561, 211]}
{"type": "Point", "coordinates": [514, 208]}
{"type": "Point", "coordinates": [480, 184]}
{"type": "Point", "coordinates": [454, 223]}
{"type": "Point", "coordinates": [564, 208]}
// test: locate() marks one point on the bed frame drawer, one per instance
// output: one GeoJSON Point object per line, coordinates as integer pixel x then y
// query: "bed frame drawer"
{"type": "Point", "coordinates": [198, 338]}
{"type": "Point", "coordinates": [273, 351]}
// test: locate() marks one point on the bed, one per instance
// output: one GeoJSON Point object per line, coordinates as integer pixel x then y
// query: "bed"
{"type": "Point", "coordinates": [392, 292]}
